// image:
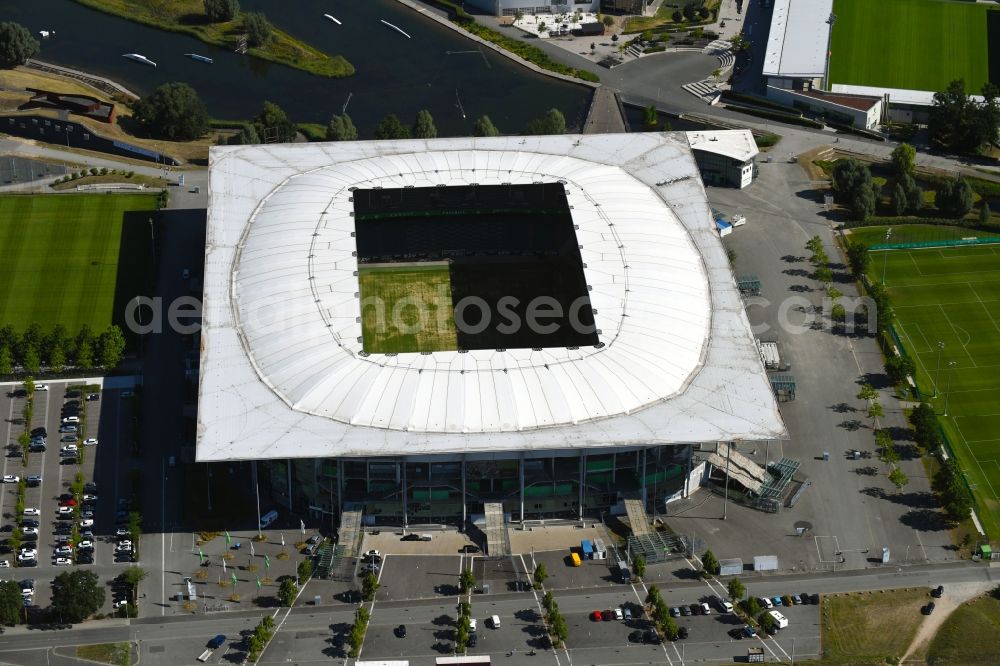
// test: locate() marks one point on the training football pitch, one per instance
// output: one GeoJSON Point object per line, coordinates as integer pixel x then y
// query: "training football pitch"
{"type": "Point", "coordinates": [407, 308]}
{"type": "Point", "coordinates": [59, 258]}
{"type": "Point", "coordinates": [951, 296]}
{"type": "Point", "coordinates": [909, 44]}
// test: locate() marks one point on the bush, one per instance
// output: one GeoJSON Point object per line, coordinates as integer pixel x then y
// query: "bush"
{"type": "Point", "coordinates": [258, 28]}
{"type": "Point", "coordinates": [781, 117]}
{"type": "Point", "coordinates": [173, 111]}
{"type": "Point", "coordinates": [526, 51]}
{"type": "Point", "coordinates": [17, 44]}
{"type": "Point", "coordinates": [218, 11]}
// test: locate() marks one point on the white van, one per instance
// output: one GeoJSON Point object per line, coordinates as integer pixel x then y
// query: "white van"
{"type": "Point", "coordinates": [268, 518]}
{"type": "Point", "coordinates": [426, 537]}
{"type": "Point", "coordinates": [495, 621]}
{"type": "Point", "coordinates": [779, 618]}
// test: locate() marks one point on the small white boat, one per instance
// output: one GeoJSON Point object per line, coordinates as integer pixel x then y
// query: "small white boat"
{"type": "Point", "coordinates": [139, 58]}
{"type": "Point", "coordinates": [45, 34]}
{"type": "Point", "coordinates": [199, 58]}
{"type": "Point", "coordinates": [332, 19]}
{"type": "Point", "coordinates": [396, 28]}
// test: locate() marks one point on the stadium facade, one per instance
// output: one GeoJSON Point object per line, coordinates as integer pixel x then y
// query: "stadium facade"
{"type": "Point", "coordinates": [608, 237]}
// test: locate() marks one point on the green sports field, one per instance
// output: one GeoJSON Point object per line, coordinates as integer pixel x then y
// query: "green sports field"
{"type": "Point", "coordinates": [910, 44]}
{"type": "Point", "coordinates": [952, 296]}
{"type": "Point", "coordinates": [407, 308]}
{"type": "Point", "coordinates": [59, 258]}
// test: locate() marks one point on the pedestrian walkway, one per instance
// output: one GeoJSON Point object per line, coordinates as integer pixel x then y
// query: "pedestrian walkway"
{"type": "Point", "coordinates": [637, 517]}
{"type": "Point", "coordinates": [604, 115]}
{"type": "Point", "coordinates": [497, 540]}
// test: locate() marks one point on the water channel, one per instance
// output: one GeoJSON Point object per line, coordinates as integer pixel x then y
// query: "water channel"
{"type": "Point", "coordinates": [437, 69]}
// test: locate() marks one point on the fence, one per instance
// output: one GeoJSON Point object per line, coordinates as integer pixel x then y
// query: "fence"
{"type": "Point", "coordinates": [954, 242]}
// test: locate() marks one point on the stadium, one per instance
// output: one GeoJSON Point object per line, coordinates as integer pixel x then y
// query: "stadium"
{"type": "Point", "coordinates": [547, 326]}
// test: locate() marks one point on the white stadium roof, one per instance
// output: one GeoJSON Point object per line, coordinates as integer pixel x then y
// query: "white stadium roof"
{"type": "Point", "coordinates": [798, 39]}
{"type": "Point", "coordinates": [282, 370]}
{"type": "Point", "coordinates": [738, 145]}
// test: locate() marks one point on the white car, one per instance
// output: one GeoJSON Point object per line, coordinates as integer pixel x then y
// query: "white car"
{"type": "Point", "coordinates": [125, 544]}
{"type": "Point", "coordinates": [121, 603]}
{"type": "Point", "coordinates": [41, 387]}
{"type": "Point", "coordinates": [472, 625]}
{"type": "Point", "coordinates": [85, 544]}
{"type": "Point", "coordinates": [63, 550]}
{"type": "Point", "coordinates": [619, 614]}
{"type": "Point", "coordinates": [70, 448]}
{"type": "Point", "coordinates": [71, 420]}
{"type": "Point", "coordinates": [372, 552]}
{"type": "Point", "coordinates": [32, 511]}
{"type": "Point", "coordinates": [738, 220]}
{"type": "Point", "coordinates": [10, 478]}
{"type": "Point", "coordinates": [705, 608]}
{"type": "Point", "coordinates": [27, 554]}
{"type": "Point", "coordinates": [90, 498]}
{"type": "Point", "coordinates": [90, 441]}
{"type": "Point", "coordinates": [87, 522]}
{"type": "Point", "coordinates": [65, 511]}
{"type": "Point", "coordinates": [122, 532]}
{"type": "Point", "coordinates": [726, 606]}
{"type": "Point", "coordinates": [62, 562]}
{"type": "Point", "coordinates": [4, 564]}
{"type": "Point", "coordinates": [29, 530]}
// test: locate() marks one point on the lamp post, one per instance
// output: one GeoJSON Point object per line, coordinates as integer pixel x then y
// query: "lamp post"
{"type": "Point", "coordinates": [947, 393]}
{"type": "Point", "coordinates": [885, 253]}
{"type": "Point", "coordinates": [937, 373]}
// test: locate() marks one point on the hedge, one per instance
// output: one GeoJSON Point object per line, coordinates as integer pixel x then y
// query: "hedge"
{"type": "Point", "coordinates": [312, 131]}
{"type": "Point", "coordinates": [857, 130]}
{"type": "Point", "coordinates": [984, 188]}
{"type": "Point", "coordinates": [757, 101]}
{"type": "Point", "coordinates": [878, 221]}
{"type": "Point", "coordinates": [771, 115]}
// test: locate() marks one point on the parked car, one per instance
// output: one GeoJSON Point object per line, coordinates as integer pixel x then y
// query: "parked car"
{"type": "Point", "coordinates": [635, 637]}
{"type": "Point", "coordinates": [628, 612]}
{"type": "Point", "coordinates": [90, 441]}
{"type": "Point", "coordinates": [41, 387]}
{"type": "Point", "coordinates": [469, 548]}
{"type": "Point", "coordinates": [595, 616]}
{"type": "Point", "coordinates": [63, 550]}
{"type": "Point", "coordinates": [682, 632]}
{"type": "Point", "coordinates": [725, 606]}
{"type": "Point", "coordinates": [32, 511]}
{"type": "Point", "coordinates": [749, 631]}
{"type": "Point", "coordinates": [796, 599]}
{"type": "Point", "coordinates": [928, 609]}
{"type": "Point", "coordinates": [937, 591]}
{"type": "Point", "coordinates": [651, 637]}
{"type": "Point", "coordinates": [675, 611]}
{"type": "Point", "coordinates": [84, 558]}
{"type": "Point", "coordinates": [39, 432]}
{"type": "Point", "coordinates": [776, 601]}
{"type": "Point", "coordinates": [705, 608]}
{"type": "Point", "coordinates": [90, 498]}
{"type": "Point", "coordinates": [401, 631]}
{"type": "Point", "coordinates": [765, 602]}
{"type": "Point", "coordinates": [62, 561]}
{"type": "Point", "coordinates": [11, 478]}
{"type": "Point", "coordinates": [93, 396]}
{"type": "Point", "coordinates": [33, 481]}
{"type": "Point", "coordinates": [87, 522]}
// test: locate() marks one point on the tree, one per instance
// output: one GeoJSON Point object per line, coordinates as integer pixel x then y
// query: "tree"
{"type": "Point", "coordinates": [653, 595]}
{"type": "Point", "coordinates": [914, 193]}
{"type": "Point", "coordinates": [466, 581]}
{"type": "Point", "coordinates": [984, 213]}
{"type": "Point", "coordinates": [541, 573]}
{"type": "Point", "coordinates": [390, 128]}
{"type": "Point", "coordinates": [897, 368]}
{"type": "Point", "coordinates": [369, 586]}
{"type": "Point", "coordinates": [823, 274]}
{"type": "Point", "coordinates": [553, 122]}
{"type": "Point", "coordinates": [222, 10]}
{"type": "Point", "coordinates": [959, 123]}
{"type": "Point", "coordinates": [639, 566]}
{"type": "Point", "coordinates": [669, 628]}
{"type": "Point", "coordinates": [650, 118]}
{"type": "Point", "coordinates": [341, 128]}
{"type": "Point", "coordinates": [858, 258]}
{"type": "Point", "coordinates": [898, 478]}
{"type": "Point", "coordinates": [11, 603]}
{"type": "Point", "coordinates": [133, 576]}
{"type": "Point", "coordinates": [16, 44]}
{"type": "Point", "coordinates": [111, 346]}
{"type": "Point", "coordinates": [736, 589]}
{"type": "Point", "coordinates": [875, 412]}
{"type": "Point", "coordinates": [751, 606]}
{"type": "Point", "coordinates": [273, 125]}
{"type": "Point", "coordinates": [677, 16]}
{"type": "Point", "coordinates": [867, 392]}
{"type": "Point", "coordinates": [247, 137]}
{"type": "Point", "coordinates": [926, 432]}
{"type": "Point", "coordinates": [709, 563]}
{"type": "Point", "coordinates": [954, 197]}
{"type": "Point", "coordinates": [559, 627]}
{"type": "Point", "coordinates": [768, 623]}
{"type": "Point", "coordinates": [257, 27]}
{"type": "Point", "coordinates": [608, 21]}
{"type": "Point", "coordinates": [32, 361]}
{"type": "Point", "coordinates": [484, 127]}
{"type": "Point", "coordinates": [76, 595]}
{"type": "Point", "coordinates": [904, 160]}
{"type": "Point", "coordinates": [287, 592]}
{"type": "Point", "coordinates": [6, 361]}
{"type": "Point", "coordinates": [173, 111]}
{"type": "Point", "coordinates": [542, 28]}
{"type": "Point", "coordinates": [863, 202]}
{"type": "Point", "coordinates": [304, 570]}
{"type": "Point", "coordinates": [899, 200]}
{"type": "Point", "coordinates": [853, 185]}
{"type": "Point", "coordinates": [704, 13]}
{"type": "Point", "coordinates": [423, 126]}
{"type": "Point", "coordinates": [85, 355]}
{"type": "Point", "coordinates": [689, 11]}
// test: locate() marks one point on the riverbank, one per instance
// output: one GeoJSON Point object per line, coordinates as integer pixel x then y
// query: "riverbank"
{"type": "Point", "coordinates": [188, 16]}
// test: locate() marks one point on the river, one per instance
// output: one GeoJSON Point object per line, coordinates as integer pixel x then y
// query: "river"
{"type": "Point", "coordinates": [434, 70]}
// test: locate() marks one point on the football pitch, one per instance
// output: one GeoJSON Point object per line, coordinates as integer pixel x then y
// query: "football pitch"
{"type": "Point", "coordinates": [60, 261]}
{"type": "Point", "coordinates": [407, 308]}
{"type": "Point", "coordinates": [909, 44]}
{"type": "Point", "coordinates": [947, 306]}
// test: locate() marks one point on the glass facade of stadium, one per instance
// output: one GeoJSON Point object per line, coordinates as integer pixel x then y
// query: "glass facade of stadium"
{"type": "Point", "coordinates": [536, 485]}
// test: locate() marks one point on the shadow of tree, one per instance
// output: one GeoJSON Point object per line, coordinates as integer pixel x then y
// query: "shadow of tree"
{"type": "Point", "coordinates": [850, 425]}
{"type": "Point", "coordinates": [792, 259]}
{"type": "Point", "coordinates": [796, 272]}
{"type": "Point", "coordinates": [801, 288]}
{"type": "Point", "coordinates": [925, 520]}
{"type": "Point", "coordinates": [843, 408]}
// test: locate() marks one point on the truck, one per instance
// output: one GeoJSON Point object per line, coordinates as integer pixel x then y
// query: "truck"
{"type": "Point", "coordinates": [623, 572]}
{"type": "Point", "coordinates": [587, 548]}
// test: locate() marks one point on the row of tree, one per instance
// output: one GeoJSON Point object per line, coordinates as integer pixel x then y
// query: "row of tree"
{"type": "Point", "coordinates": [258, 640]}
{"type": "Point", "coordinates": [57, 350]}
{"type": "Point", "coordinates": [961, 124]}
{"type": "Point", "coordinates": [358, 630]}
{"type": "Point", "coordinates": [558, 628]}
{"type": "Point", "coordinates": [660, 613]}
{"type": "Point", "coordinates": [17, 44]}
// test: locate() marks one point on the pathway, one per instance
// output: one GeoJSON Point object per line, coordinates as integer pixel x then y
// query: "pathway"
{"type": "Point", "coordinates": [953, 597]}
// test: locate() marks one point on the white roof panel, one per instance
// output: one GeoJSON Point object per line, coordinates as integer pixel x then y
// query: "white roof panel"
{"type": "Point", "coordinates": [798, 40]}
{"type": "Point", "coordinates": [283, 372]}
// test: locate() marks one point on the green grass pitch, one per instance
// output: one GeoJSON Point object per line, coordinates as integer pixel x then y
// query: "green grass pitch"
{"type": "Point", "coordinates": [910, 44]}
{"type": "Point", "coordinates": [59, 258]}
{"type": "Point", "coordinates": [952, 295]}
{"type": "Point", "coordinates": [406, 308]}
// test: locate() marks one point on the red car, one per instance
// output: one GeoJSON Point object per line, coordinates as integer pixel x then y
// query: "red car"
{"type": "Point", "coordinates": [596, 616]}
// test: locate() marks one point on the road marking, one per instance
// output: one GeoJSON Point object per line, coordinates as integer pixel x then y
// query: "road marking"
{"type": "Point", "coordinates": [541, 612]}
{"type": "Point", "coordinates": [163, 543]}
{"type": "Point", "coordinates": [642, 604]}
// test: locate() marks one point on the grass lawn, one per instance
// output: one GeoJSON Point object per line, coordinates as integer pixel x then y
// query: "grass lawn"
{"type": "Point", "coordinates": [118, 654]}
{"type": "Point", "coordinates": [867, 627]}
{"type": "Point", "coordinates": [952, 296]}
{"type": "Point", "coordinates": [969, 635]}
{"type": "Point", "coordinates": [407, 308]}
{"type": "Point", "coordinates": [911, 44]}
{"type": "Point", "coordinates": [188, 16]}
{"type": "Point", "coordinates": [60, 260]}
{"type": "Point", "coordinates": [914, 233]}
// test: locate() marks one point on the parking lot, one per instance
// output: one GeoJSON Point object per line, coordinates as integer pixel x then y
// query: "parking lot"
{"type": "Point", "coordinates": [50, 470]}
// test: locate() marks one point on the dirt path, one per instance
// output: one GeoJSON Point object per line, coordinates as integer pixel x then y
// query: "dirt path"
{"type": "Point", "coordinates": [954, 596]}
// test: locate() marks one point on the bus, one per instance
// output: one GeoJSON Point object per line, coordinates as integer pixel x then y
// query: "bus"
{"type": "Point", "coordinates": [588, 549]}
{"type": "Point", "coordinates": [575, 559]}
{"type": "Point", "coordinates": [465, 660]}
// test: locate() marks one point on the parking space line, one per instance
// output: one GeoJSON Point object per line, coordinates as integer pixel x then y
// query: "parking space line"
{"type": "Point", "coordinates": [541, 611]}
{"type": "Point", "coordinates": [642, 604]}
